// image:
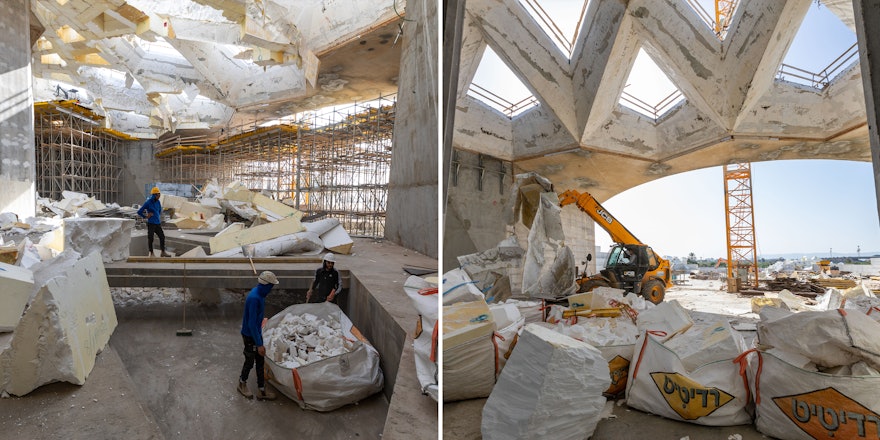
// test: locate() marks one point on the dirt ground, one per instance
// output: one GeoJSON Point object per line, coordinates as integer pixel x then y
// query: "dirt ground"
{"type": "Point", "coordinates": [461, 420]}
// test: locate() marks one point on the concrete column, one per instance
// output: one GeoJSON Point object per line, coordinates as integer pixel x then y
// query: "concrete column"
{"type": "Point", "coordinates": [138, 169]}
{"type": "Point", "coordinates": [412, 190]}
{"type": "Point", "coordinates": [475, 211]}
{"type": "Point", "coordinates": [453, 22]}
{"type": "Point", "coordinates": [17, 152]}
{"type": "Point", "coordinates": [866, 14]}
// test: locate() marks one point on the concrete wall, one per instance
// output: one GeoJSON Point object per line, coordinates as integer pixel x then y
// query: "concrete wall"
{"type": "Point", "coordinates": [378, 326]}
{"type": "Point", "coordinates": [138, 169]}
{"type": "Point", "coordinates": [413, 184]}
{"type": "Point", "coordinates": [17, 152]}
{"type": "Point", "coordinates": [474, 218]}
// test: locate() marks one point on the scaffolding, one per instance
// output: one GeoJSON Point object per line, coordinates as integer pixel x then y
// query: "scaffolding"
{"type": "Point", "coordinates": [333, 162]}
{"type": "Point", "coordinates": [75, 152]}
{"type": "Point", "coordinates": [740, 222]}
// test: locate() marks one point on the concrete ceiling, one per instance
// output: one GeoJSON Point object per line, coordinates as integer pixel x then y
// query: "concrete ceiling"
{"type": "Point", "coordinates": [735, 110]}
{"type": "Point", "coordinates": [158, 66]}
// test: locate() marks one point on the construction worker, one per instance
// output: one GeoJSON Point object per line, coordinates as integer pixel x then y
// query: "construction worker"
{"type": "Point", "coordinates": [252, 334]}
{"type": "Point", "coordinates": [152, 211]}
{"type": "Point", "coordinates": [327, 281]}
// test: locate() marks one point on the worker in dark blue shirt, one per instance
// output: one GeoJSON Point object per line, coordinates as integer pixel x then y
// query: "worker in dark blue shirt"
{"type": "Point", "coordinates": [327, 283]}
{"type": "Point", "coordinates": [152, 211]}
{"type": "Point", "coordinates": [252, 334]}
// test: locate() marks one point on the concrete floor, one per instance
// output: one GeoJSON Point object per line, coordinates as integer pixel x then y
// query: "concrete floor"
{"type": "Point", "coordinates": [151, 384]}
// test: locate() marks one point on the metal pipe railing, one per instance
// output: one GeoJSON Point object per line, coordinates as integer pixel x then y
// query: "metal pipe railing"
{"type": "Point", "coordinates": [510, 109]}
{"type": "Point", "coordinates": [823, 78]}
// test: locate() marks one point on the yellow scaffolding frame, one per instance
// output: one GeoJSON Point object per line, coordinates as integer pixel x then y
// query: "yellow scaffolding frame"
{"type": "Point", "coordinates": [740, 222]}
{"type": "Point", "coordinates": [334, 162]}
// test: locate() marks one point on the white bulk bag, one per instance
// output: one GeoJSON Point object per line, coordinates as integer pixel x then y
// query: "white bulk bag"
{"type": "Point", "coordinates": [425, 342]}
{"type": "Point", "coordinates": [332, 382]}
{"type": "Point", "coordinates": [713, 394]}
{"type": "Point", "coordinates": [793, 404]}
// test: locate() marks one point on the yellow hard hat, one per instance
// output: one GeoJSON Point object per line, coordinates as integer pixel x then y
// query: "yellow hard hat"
{"type": "Point", "coordinates": [155, 190]}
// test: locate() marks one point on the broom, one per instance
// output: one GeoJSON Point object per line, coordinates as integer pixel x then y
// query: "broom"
{"type": "Point", "coordinates": [184, 331]}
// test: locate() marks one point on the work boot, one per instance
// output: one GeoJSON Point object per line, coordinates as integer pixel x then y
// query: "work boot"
{"type": "Point", "coordinates": [264, 394]}
{"type": "Point", "coordinates": [243, 389]}
{"type": "Point", "coordinates": [165, 254]}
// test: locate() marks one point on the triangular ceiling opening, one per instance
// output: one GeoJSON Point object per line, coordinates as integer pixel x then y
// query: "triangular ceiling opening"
{"type": "Point", "coordinates": [498, 87]}
{"type": "Point", "coordinates": [822, 48]}
{"type": "Point", "coordinates": [560, 19]}
{"type": "Point", "coordinates": [648, 90]}
{"type": "Point", "coordinates": [715, 14]}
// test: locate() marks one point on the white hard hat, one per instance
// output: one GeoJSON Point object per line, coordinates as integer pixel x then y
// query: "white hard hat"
{"type": "Point", "coordinates": [268, 278]}
{"type": "Point", "coordinates": [330, 257]}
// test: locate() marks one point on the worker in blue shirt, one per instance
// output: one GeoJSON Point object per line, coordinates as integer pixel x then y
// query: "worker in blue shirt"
{"type": "Point", "coordinates": [252, 334]}
{"type": "Point", "coordinates": [152, 211]}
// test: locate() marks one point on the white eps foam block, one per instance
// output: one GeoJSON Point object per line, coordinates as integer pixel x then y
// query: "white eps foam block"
{"type": "Point", "coordinates": [551, 387]}
{"type": "Point", "coordinates": [337, 240]}
{"type": "Point", "coordinates": [109, 236]}
{"type": "Point", "coordinates": [68, 322]}
{"type": "Point", "coordinates": [16, 284]}
{"type": "Point", "coordinates": [228, 240]}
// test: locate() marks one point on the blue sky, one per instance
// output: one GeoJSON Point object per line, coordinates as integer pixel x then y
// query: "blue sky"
{"type": "Point", "coordinates": [800, 206]}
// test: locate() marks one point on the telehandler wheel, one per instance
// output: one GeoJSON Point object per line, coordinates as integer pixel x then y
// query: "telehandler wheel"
{"type": "Point", "coordinates": [654, 291]}
{"type": "Point", "coordinates": [588, 285]}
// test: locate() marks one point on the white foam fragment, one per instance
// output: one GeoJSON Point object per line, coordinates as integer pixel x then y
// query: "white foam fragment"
{"type": "Point", "coordinates": [601, 332]}
{"type": "Point", "coordinates": [337, 240]}
{"type": "Point", "coordinates": [299, 340]}
{"type": "Point", "coordinates": [793, 301]}
{"type": "Point", "coordinates": [66, 324]}
{"type": "Point", "coordinates": [299, 243]}
{"type": "Point", "coordinates": [458, 287]}
{"type": "Point", "coordinates": [321, 226]}
{"type": "Point", "coordinates": [109, 236]}
{"type": "Point", "coordinates": [551, 387]}
{"type": "Point", "coordinates": [16, 285]}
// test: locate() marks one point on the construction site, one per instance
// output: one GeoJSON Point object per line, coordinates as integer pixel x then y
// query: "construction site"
{"type": "Point", "coordinates": [544, 335]}
{"type": "Point", "coordinates": [166, 167]}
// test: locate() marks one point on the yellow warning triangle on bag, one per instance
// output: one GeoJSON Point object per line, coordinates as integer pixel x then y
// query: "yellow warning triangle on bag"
{"type": "Point", "coordinates": [688, 398]}
{"type": "Point", "coordinates": [829, 414]}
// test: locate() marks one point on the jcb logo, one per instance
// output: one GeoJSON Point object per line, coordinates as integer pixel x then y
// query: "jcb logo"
{"type": "Point", "coordinates": [688, 398]}
{"type": "Point", "coordinates": [605, 215]}
{"type": "Point", "coordinates": [828, 414]}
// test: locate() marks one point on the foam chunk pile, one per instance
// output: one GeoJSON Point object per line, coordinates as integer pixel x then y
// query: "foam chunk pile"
{"type": "Point", "coordinates": [303, 339]}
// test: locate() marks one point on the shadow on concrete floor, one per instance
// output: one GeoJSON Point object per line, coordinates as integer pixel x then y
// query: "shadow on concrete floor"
{"type": "Point", "coordinates": [151, 384]}
{"type": "Point", "coordinates": [188, 383]}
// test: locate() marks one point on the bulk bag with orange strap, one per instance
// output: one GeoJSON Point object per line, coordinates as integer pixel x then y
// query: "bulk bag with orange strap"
{"type": "Point", "coordinates": [793, 399]}
{"type": "Point", "coordinates": [705, 391]}
{"type": "Point", "coordinates": [320, 360]}
{"type": "Point", "coordinates": [469, 346]}
{"type": "Point", "coordinates": [425, 336]}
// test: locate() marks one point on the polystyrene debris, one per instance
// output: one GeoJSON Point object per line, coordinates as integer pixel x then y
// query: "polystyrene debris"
{"type": "Point", "coordinates": [303, 339]}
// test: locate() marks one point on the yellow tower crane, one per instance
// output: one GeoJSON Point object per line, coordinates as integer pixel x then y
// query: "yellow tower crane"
{"type": "Point", "coordinates": [723, 14]}
{"type": "Point", "coordinates": [740, 219]}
